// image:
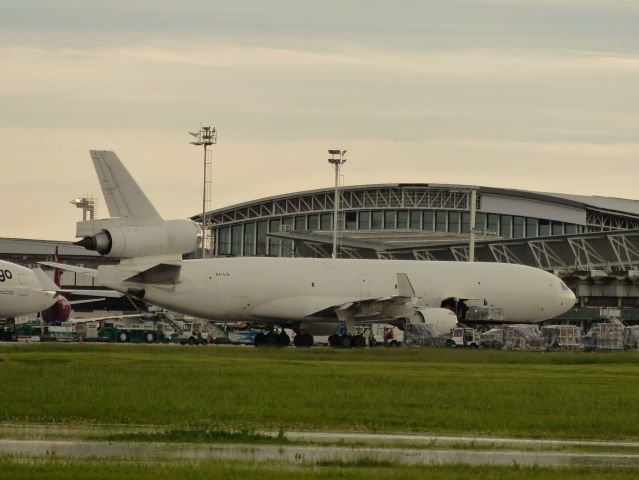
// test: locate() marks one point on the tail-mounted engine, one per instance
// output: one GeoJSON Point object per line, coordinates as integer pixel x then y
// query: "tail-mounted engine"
{"type": "Point", "coordinates": [171, 237]}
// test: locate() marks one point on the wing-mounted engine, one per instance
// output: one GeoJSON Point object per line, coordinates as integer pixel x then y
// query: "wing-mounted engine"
{"type": "Point", "coordinates": [112, 239]}
{"type": "Point", "coordinates": [442, 320]}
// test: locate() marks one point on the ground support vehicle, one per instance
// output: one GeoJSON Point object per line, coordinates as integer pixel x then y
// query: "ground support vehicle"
{"type": "Point", "coordinates": [8, 330]}
{"type": "Point", "coordinates": [463, 337]}
{"type": "Point", "coordinates": [135, 332]}
{"type": "Point", "coordinates": [191, 332]}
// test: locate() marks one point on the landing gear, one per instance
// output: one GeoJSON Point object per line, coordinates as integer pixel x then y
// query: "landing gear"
{"type": "Point", "coordinates": [272, 339]}
{"type": "Point", "coordinates": [359, 341]}
{"type": "Point", "coordinates": [347, 341]}
{"type": "Point", "coordinates": [303, 340]}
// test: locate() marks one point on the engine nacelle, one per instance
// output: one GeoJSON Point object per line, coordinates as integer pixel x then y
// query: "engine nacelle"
{"type": "Point", "coordinates": [125, 241]}
{"type": "Point", "coordinates": [441, 319]}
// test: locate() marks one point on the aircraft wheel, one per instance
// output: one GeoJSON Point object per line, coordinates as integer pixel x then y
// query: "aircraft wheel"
{"type": "Point", "coordinates": [149, 337]}
{"type": "Point", "coordinates": [259, 340]}
{"type": "Point", "coordinates": [358, 341]}
{"type": "Point", "coordinates": [303, 340]}
{"type": "Point", "coordinates": [346, 341]}
{"type": "Point", "coordinates": [123, 337]}
{"type": "Point", "coordinates": [309, 340]}
{"type": "Point", "coordinates": [283, 340]}
{"type": "Point", "coordinates": [271, 339]}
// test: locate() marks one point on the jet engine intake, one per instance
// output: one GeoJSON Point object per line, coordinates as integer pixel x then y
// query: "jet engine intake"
{"type": "Point", "coordinates": [169, 237]}
{"type": "Point", "coordinates": [441, 319]}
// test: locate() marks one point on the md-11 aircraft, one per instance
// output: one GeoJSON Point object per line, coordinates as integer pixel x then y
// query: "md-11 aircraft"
{"type": "Point", "coordinates": [311, 296]}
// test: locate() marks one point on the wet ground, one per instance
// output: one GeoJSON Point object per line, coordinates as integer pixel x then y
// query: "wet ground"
{"type": "Point", "coordinates": [72, 441]}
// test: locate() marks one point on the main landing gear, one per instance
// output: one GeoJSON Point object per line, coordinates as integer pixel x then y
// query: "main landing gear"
{"type": "Point", "coordinates": [272, 339]}
{"type": "Point", "coordinates": [347, 341]}
{"type": "Point", "coordinates": [303, 340]}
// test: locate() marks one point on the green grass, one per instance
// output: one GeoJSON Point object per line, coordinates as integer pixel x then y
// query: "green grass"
{"type": "Point", "coordinates": [58, 469]}
{"type": "Point", "coordinates": [550, 395]}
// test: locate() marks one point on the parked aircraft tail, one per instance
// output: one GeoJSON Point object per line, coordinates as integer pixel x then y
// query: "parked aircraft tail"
{"type": "Point", "coordinates": [135, 230]}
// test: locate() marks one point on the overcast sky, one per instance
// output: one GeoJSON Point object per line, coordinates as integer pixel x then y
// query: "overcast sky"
{"type": "Point", "coordinates": [531, 94]}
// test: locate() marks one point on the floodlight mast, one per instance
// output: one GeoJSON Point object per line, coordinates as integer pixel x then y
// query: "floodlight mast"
{"type": "Point", "coordinates": [473, 216]}
{"type": "Point", "coordinates": [204, 137]}
{"type": "Point", "coordinates": [87, 204]}
{"type": "Point", "coordinates": [337, 160]}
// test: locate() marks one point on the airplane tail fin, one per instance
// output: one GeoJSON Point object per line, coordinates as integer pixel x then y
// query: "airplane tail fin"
{"type": "Point", "coordinates": [123, 196]}
{"type": "Point", "coordinates": [45, 282]}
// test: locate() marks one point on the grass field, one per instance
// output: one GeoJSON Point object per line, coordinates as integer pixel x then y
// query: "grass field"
{"type": "Point", "coordinates": [554, 395]}
{"type": "Point", "coordinates": [58, 469]}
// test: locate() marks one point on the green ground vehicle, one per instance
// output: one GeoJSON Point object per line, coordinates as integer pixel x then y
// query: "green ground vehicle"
{"type": "Point", "coordinates": [138, 332]}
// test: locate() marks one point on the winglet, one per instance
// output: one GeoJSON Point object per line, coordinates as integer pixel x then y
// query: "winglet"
{"type": "Point", "coordinates": [123, 196]}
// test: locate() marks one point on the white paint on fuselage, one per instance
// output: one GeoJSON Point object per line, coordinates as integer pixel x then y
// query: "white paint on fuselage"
{"type": "Point", "coordinates": [291, 289]}
{"type": "Point", "coordinates": [21, 292]}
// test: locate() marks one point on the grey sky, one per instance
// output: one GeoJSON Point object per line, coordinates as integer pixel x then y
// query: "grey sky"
{"type": "Point", "coordinates": [528, 94]}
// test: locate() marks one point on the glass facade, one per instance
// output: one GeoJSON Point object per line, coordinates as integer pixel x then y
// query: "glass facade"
{"type": "Point", "coordinates": [250, 238]}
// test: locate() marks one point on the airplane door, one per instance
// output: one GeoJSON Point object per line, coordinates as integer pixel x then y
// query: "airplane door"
{"type": "Point", "coordinates": [364, 288]}
{"type": "Point", "coordinates": [23, 285]}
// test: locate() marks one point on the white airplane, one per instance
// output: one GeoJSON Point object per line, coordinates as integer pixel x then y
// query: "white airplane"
{"type": "Point", "coordinates": [21, 292]}
{"type": "Point", "coordinates": [311, 296]}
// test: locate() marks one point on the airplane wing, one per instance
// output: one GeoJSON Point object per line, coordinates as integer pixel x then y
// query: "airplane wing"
{"type": "Point", "coordinates": [123, 196]}
{"type": "Point", "coordinates": [374, 310]}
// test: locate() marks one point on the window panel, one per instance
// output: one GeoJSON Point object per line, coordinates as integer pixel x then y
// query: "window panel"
{"type": "Point", "coordinates": [415, 219]}
{"type": "Point", "coordinates": [429, 217]}
{"type": "Point", "coordinates": [465, 222]}
{"type": "Point", "coordinates": [544, 228]}
{"type": "Point", "coordinates": [518, 227]}
{"type": "Point", "coordinates": [300, 223]}
{"type": "Point", "coordinates": [313, 222]}
{"type": "Point", "coordinates": [249, 239]}
{"type": "Point", "coordinates": [365, 220]}
{"type": "Point", "coordinates": [236, 240]}
{"type": "Point", "coordinates": [326, 221]}
{"type": "Point", "coordinates": [402, 219]}
{"type": "Point", "coordinates": [377, 220]}
{"type": "Point", "coordinates": [505, 223]}
{"type": "Point", "coordinates": [224, 241]}
{"type": "Point", "coordinates": [441, 216]}
{"type": "Point", "coordinates": [389, 219]}
{"type": "Point", "coordinates": [262, 228]}
{"type": "Point", "coordinates": [351, 220]}
{"type": "Point", "coordinates": [453, 222]}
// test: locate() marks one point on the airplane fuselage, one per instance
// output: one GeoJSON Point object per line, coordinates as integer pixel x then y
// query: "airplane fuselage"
{"type": "Point", "coordinates": [294, 289]}
{"type": "Point", "coordinates": [21, 292]}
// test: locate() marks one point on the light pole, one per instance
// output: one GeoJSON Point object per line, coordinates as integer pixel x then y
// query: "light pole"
{"type": "Point", "coordinates": [337, 159]}
{"type": "Point", "coordinates": [204, 137]}
{"type": "Point", "coordinates": [473, 215]}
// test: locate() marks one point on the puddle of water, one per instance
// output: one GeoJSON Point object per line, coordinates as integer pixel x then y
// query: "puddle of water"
{"type": "Point", "coordinates": [311, 454]}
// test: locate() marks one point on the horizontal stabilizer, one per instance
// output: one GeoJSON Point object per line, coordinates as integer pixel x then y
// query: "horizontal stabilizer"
{"type": "Point", "coordinates": [89, 272]}
{"type": "Point", "coordinates": [160, 274]}
{"type": "Point", "coordinates": [123, 196]}
{"type": "Point", "coordinates": [92, 293]}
